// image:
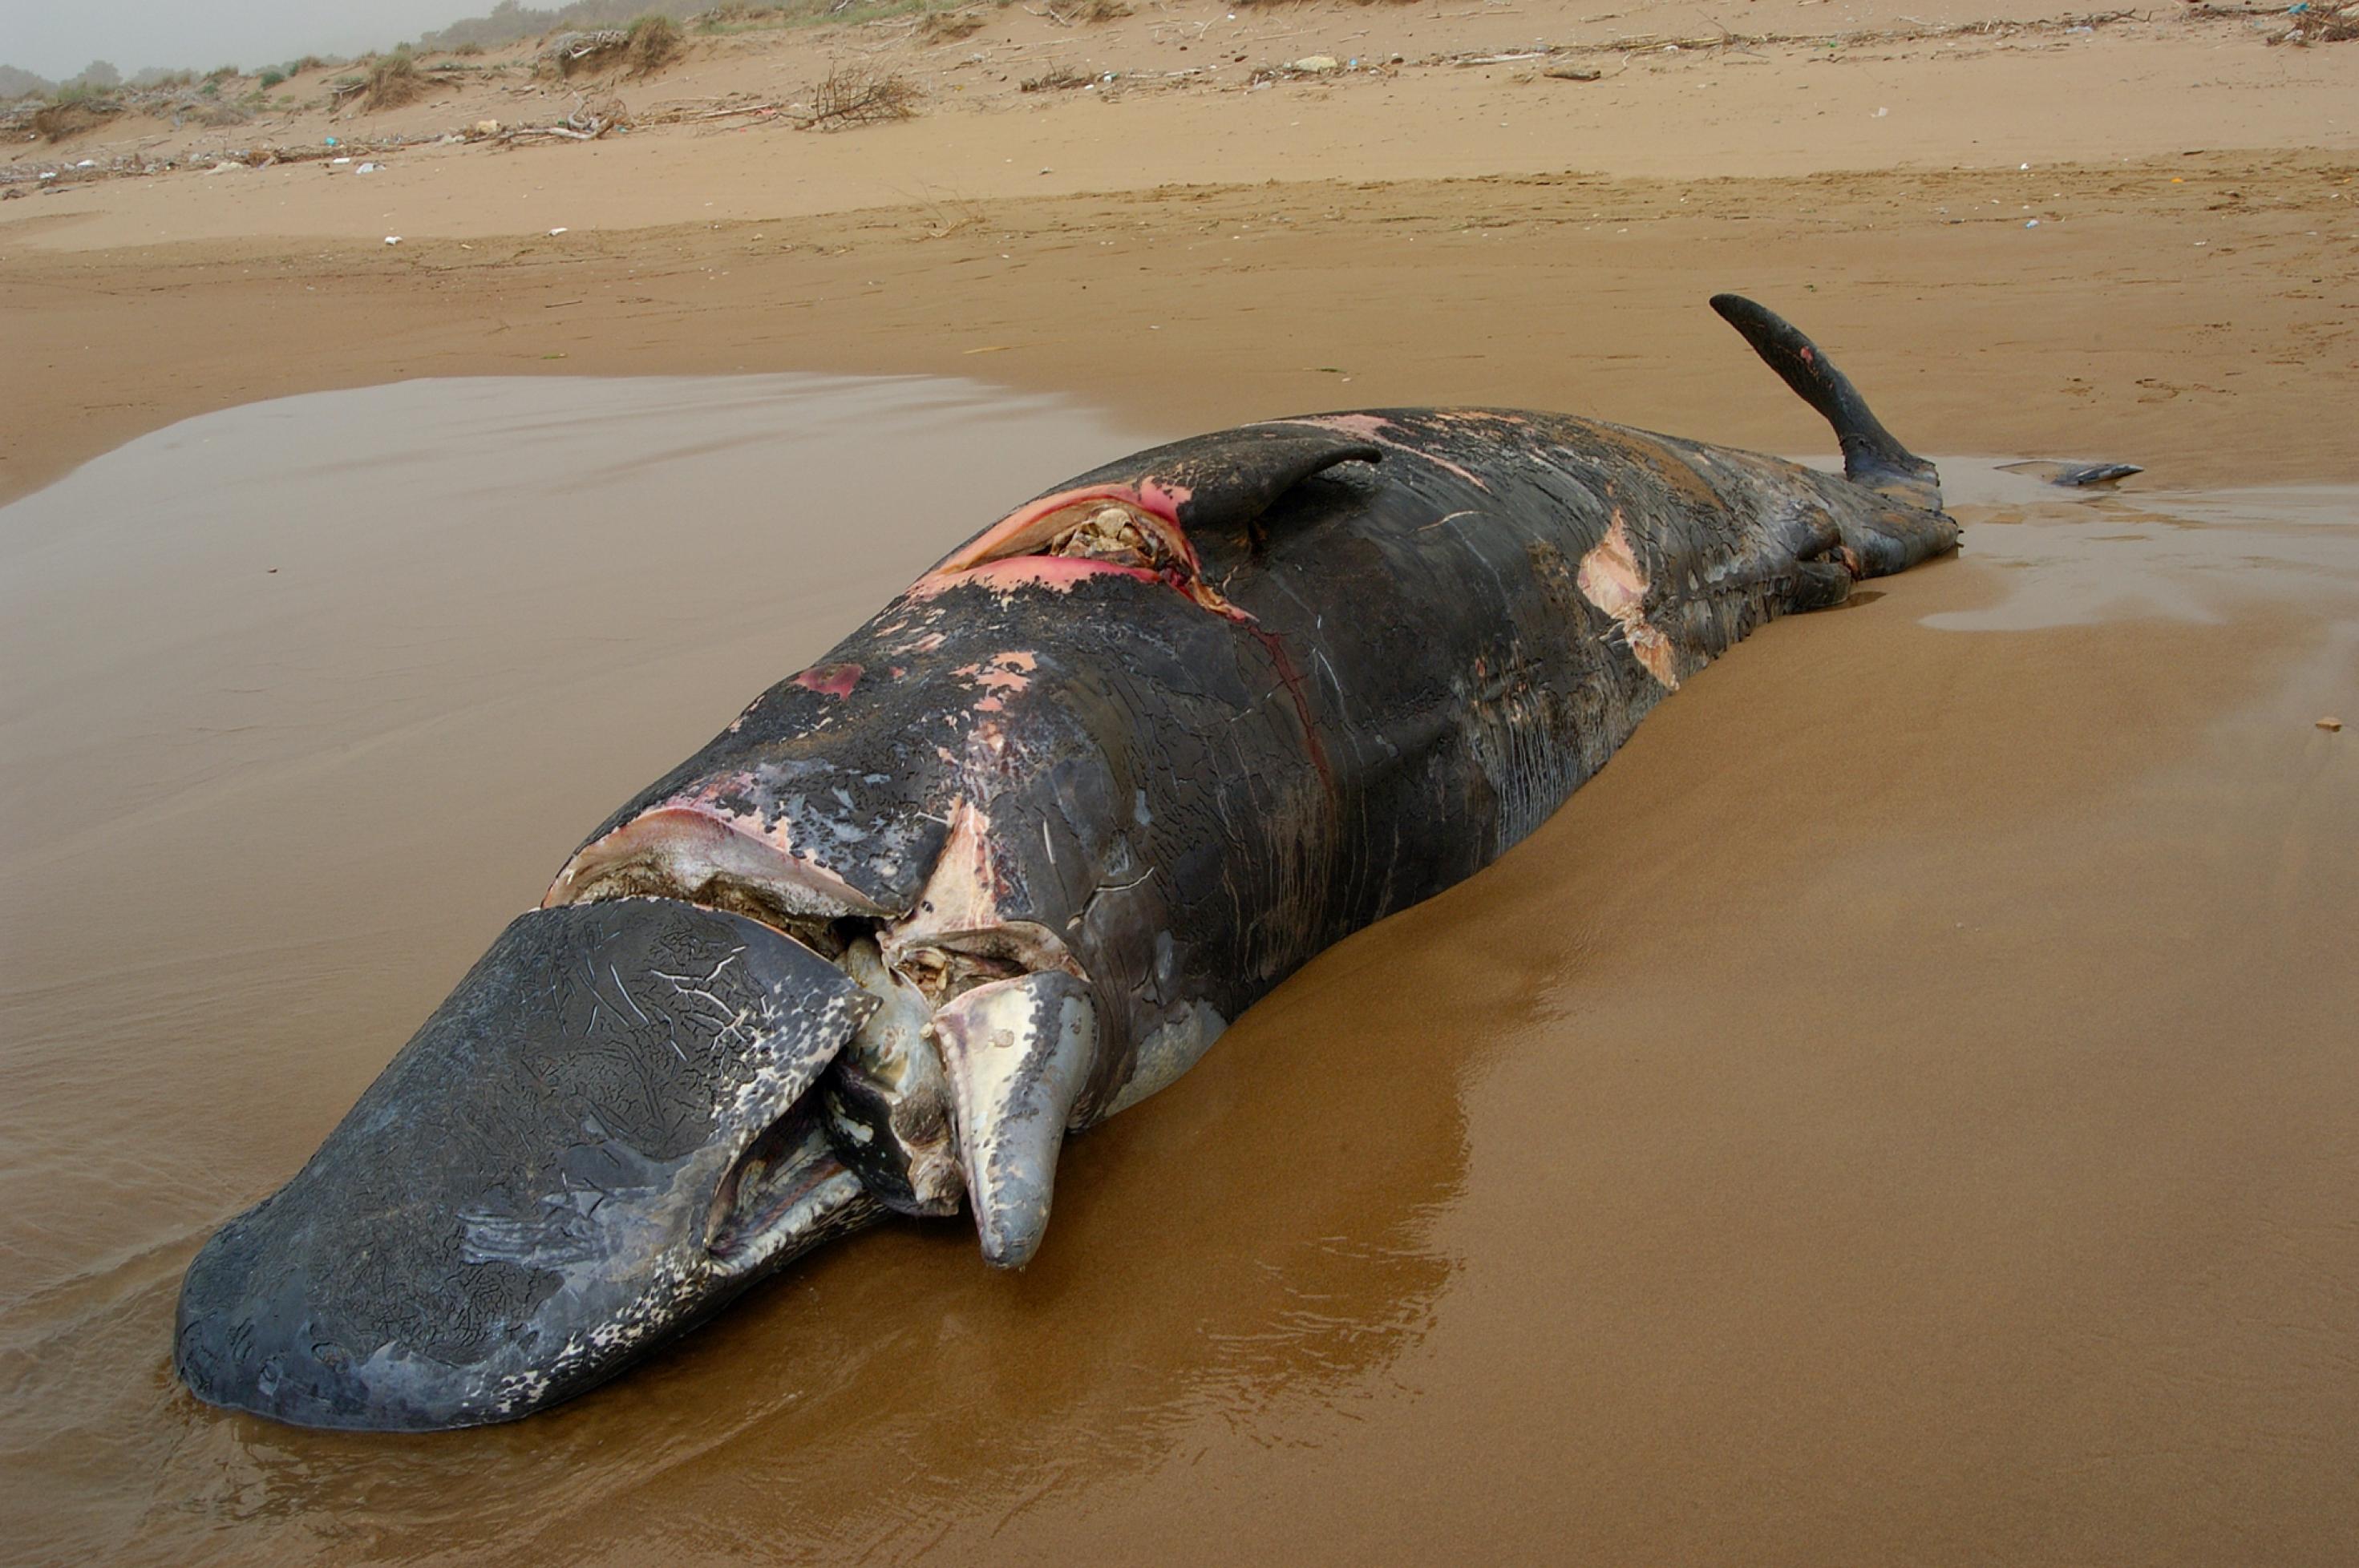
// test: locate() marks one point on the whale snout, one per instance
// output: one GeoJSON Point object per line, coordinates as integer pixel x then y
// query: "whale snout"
{"type": "Point", "coordinates": [604, 1132]}
{"type": "Point", "coordinates": [258, 1332]}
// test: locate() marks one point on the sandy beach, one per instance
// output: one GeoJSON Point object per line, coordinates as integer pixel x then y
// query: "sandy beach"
{"type": "Point", "coordinates": [1901, 1111]}
{"type": "Point", "coordinates": [1225, 248]}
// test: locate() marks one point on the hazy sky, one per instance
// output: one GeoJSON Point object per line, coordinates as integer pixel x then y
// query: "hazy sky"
{"type": "Point", "coordinates": [58, 37]}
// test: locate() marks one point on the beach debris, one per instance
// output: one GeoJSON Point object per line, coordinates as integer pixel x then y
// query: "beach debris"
{"type": "Point", "coordinates": [640, 49]}
{"type": "Point", "coordinates": [2306, 23]}
{"type": "Point", "coordinates": [1572, 73]}
{"type": "Point", "coordinates": [485, 128]}
{"type": "Point", "coordinates": [2330, 722]}
{"type": "Point", "coordinates": [393, 239]}
{"type": "Point", "coordinates": [859, 95]}
{"type": "Point", "coordinates": [574, 52]}
{"type": "Point", "coordinates": [558, 230]}
{"type": "Point", "coordinates": [590, 119]}
{"type": "Point", "coordinates": [1316, 64]}
{"type": "Point", "coordinates": [368, 168]}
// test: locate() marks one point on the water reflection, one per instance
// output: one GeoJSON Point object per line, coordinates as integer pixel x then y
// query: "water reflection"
{"type": "Point", "coordinates": [2084, 557]}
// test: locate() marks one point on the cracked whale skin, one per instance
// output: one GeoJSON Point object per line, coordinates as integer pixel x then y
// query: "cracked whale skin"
{"type": "Point", "coordinates": [1006, 861]}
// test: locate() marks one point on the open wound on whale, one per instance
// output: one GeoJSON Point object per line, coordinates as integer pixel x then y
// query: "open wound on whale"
{"type": "Point", "coordinates": [1612, 579]}
{"type": "Point", "coordinates": [1130, 530]}
{"type": "Point", "coordinates": [958, 1080]}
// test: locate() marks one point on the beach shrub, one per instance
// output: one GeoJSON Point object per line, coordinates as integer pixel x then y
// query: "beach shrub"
{"type": "Point", "coordinates": [392, 81]}
{"type": "Point", "coordinates": [654, 40]}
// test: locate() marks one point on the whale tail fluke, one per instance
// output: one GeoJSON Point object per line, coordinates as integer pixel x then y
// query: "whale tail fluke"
{"type": "Point", "coordinates": [1872, 456]}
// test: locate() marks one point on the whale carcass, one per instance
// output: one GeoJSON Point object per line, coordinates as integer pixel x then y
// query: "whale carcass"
{"type": "Point", "coordinates": [1005, 862]}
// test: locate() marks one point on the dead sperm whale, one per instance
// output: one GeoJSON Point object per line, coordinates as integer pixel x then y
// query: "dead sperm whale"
{"type": "Point", "coordinates": [1004, 864]}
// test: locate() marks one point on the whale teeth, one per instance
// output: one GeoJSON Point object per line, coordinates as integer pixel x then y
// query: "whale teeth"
{"type": "Point", "coordinates": [886, 1105]}
{"type": "Point", "coordinates": [1016, 1052]}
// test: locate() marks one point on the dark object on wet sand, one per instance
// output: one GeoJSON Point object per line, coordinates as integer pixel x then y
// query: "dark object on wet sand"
{"type": "Point", "coordinates": [2074, 476]}
{"type": "Point", "coordinates": [1004, 864]}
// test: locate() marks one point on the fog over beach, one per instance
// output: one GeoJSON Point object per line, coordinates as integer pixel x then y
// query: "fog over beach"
{"type": "Point", "coordinates": [57, 41]}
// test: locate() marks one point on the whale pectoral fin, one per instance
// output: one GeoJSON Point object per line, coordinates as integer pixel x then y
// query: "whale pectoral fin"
{"type": "Point", "coordinates": [2072, 476]}
{"type": "Point", "coordinates": [1233, 478]}
{"type": "Point", "coordinates": [1819, 585]}
{"type": "Point", "coordinates": [1016, 1052]}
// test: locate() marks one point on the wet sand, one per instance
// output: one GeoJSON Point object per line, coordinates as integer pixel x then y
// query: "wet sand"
{"type": "Point", "coordinates": [1901, 1110]}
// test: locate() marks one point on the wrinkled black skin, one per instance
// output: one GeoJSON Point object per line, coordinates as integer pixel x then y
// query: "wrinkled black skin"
{"type": "Point", "coordinates": [1412, 697]}
{"type": "Point", "coordinates": [423, 1267]}
{"type": "Point", "coordinates": [1196, 803]}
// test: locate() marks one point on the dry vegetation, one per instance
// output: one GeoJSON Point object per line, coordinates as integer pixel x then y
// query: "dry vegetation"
{"type": "Point", "coordinates": [947, 26]}
{"type": "Point", "coordinates": [860, 95]}
{"type": "Point", "coordinates": [1057, 81]}
{"type": "Point", "coordinates": [55, 122]}
{"type": "Point", "coordinates": [2320, 24]}
{"type": "Point", "coordinates": [392, 81]}
{"type": "Point", "coordinates": [653, 41]}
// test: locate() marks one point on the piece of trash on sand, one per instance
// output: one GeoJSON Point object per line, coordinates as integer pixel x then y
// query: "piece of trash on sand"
{"type": "Point", "coordinates": [1316, 64]}
{"type": "Point", "coordinates": [558, 230]}
{"type": "Point", "coordinates": [393, 239]}
{"type": "Point", "coordinates": [2330, 722]}
{"type": "Point", "coordinates": [488, 128]}
{"type": "Point", "coordinates": [2031, 223]}
{"type": "Point", "coordinates": [368, 168]}
{"type": "Point", "coordinates": [1572, 73]}
{"type": "Point", "coordinates": [340, 161]}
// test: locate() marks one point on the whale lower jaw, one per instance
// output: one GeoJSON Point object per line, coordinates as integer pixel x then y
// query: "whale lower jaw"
{"type": "Point", "coordinates": [964, 1081]}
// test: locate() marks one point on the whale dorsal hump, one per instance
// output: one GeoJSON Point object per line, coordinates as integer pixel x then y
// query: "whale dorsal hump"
{"type": "Point", "coordinates": [1234, 476]}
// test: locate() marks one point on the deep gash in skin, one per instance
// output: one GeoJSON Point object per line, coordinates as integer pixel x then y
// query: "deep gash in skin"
{"type": "Point", "coordinates": [1005, 862]}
